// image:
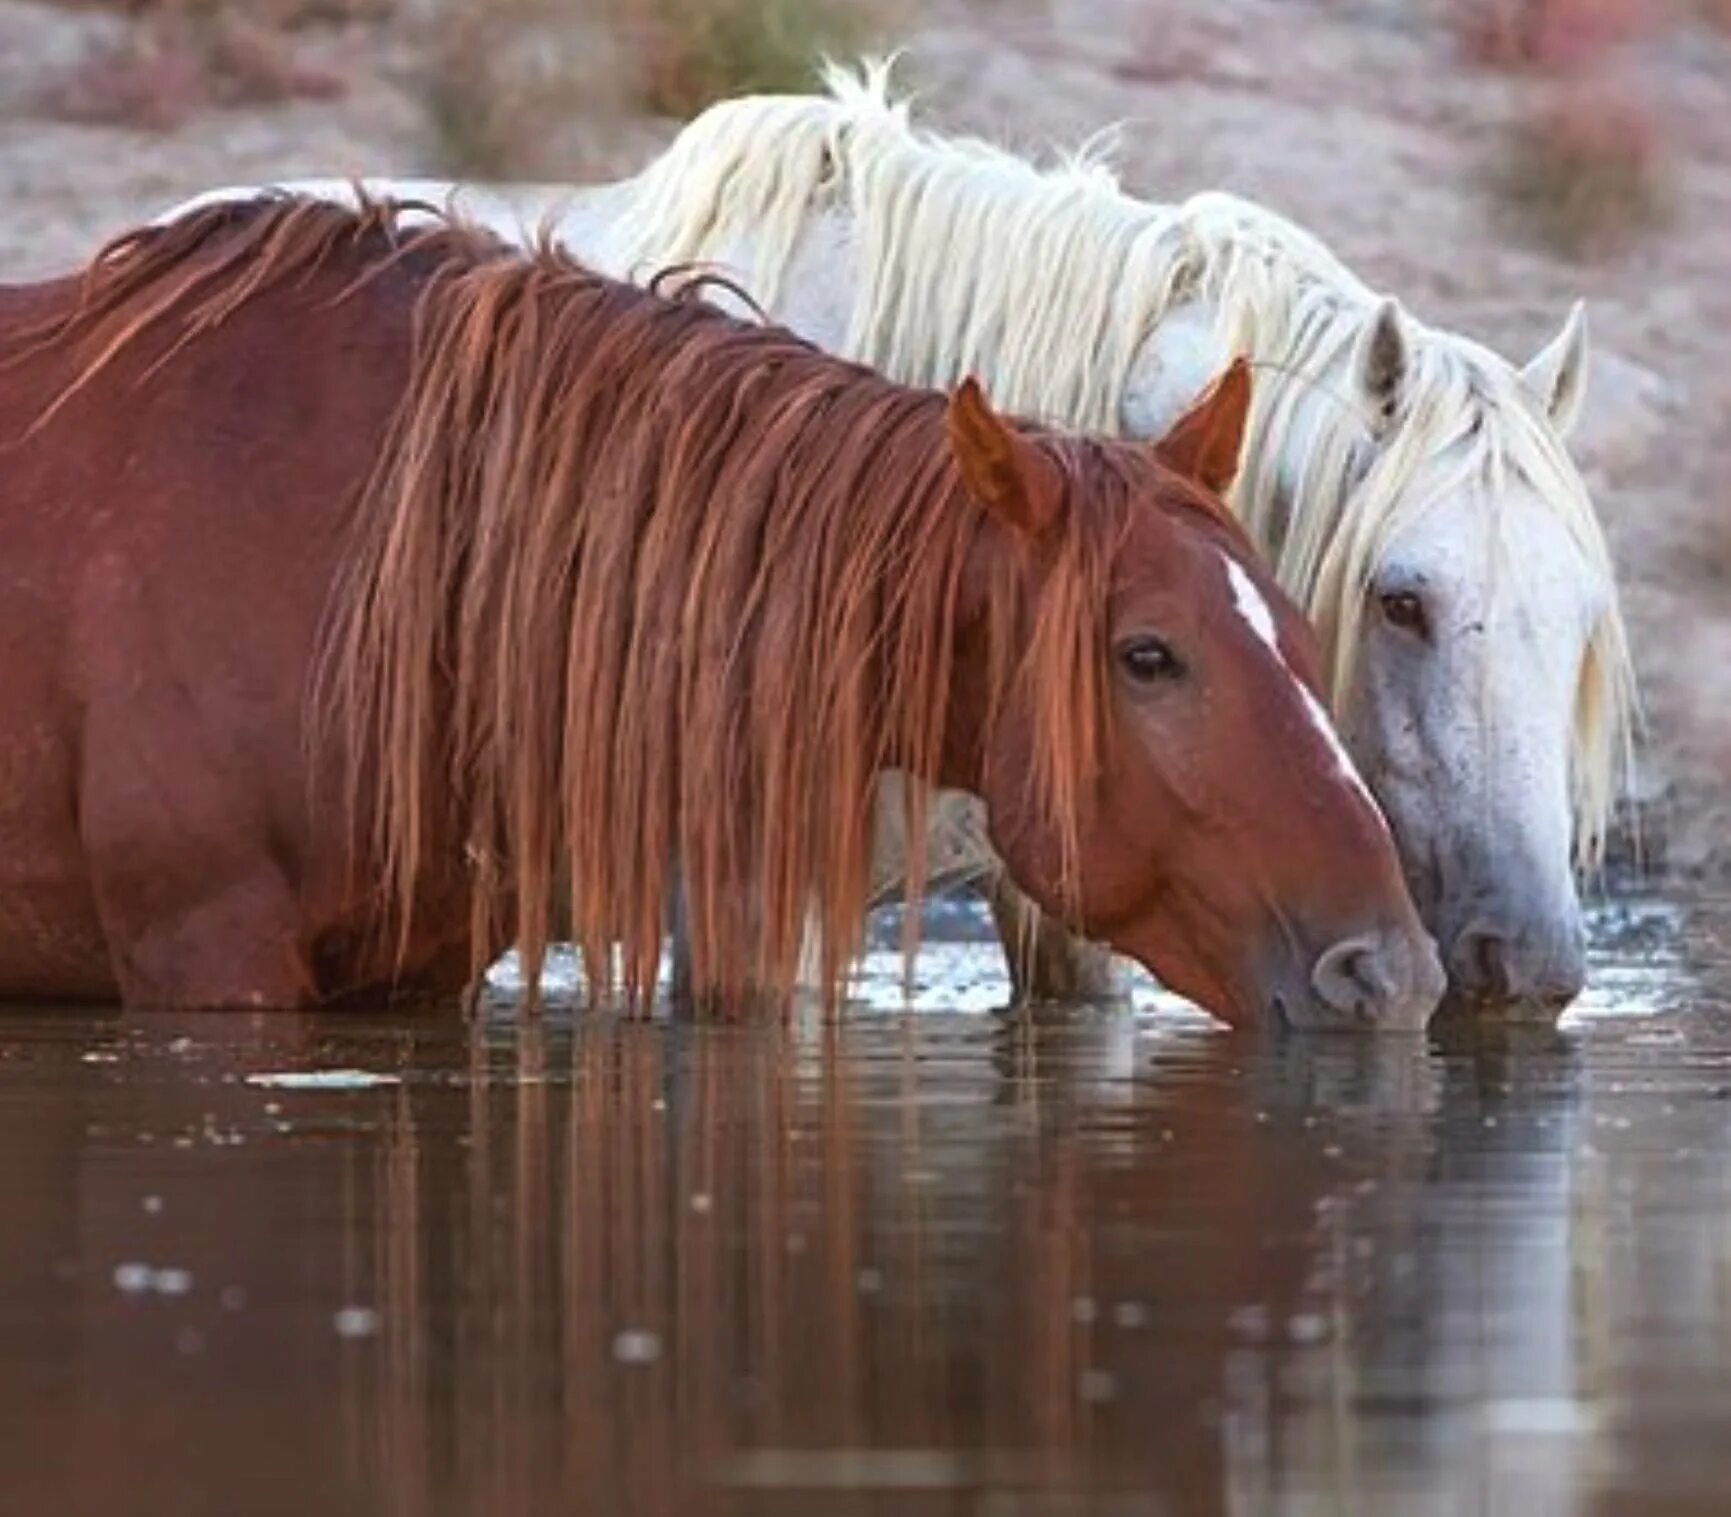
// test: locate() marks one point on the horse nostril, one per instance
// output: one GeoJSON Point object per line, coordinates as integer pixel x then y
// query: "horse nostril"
{"type": "Point", "coordinates": [1389, 980]}
{"type": "Point", "coordinates": [1495, 965]}
{"type": "Point", "coordinates": [1493, 957]}
{"type": "Point", "coordinates": [1482, 961]}
{"type": "Point", "coordinates": [1353, 977]}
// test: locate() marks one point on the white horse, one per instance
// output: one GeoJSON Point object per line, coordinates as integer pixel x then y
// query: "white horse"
{"type": "Point", "coordinates": [1410, 487]}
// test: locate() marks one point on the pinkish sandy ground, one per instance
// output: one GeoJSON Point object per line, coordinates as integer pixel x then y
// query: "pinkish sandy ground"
{"type": "Point", "coordinates": [1357, 117]}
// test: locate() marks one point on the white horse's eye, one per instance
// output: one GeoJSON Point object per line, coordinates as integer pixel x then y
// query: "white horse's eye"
{"type": "Point", "coordinates": [1405, 609]}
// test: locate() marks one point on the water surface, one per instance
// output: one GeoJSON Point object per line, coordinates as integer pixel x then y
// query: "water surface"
{"type": "Point", "coordinates": [944, 1262]}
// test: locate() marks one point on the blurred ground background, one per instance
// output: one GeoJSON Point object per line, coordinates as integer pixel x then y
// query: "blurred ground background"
{"type": "Point", "coordinates": [1486, 160]}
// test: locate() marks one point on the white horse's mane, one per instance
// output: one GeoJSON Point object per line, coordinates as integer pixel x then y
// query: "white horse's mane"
{"type": "Point", "coordinates": [1068, 276]}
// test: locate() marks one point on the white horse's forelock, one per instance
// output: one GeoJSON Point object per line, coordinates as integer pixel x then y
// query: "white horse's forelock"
{"type": "Point", "coordinates": [1061, 344]}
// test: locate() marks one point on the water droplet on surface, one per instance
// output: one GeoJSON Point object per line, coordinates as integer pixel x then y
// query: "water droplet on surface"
{"type": "Point", "coordinates": [172, 1282]}
{"type": "Point", "coordinates": [636, 1345]}
{"type": "Point", "coordinates": [356, 1322]}
{"type": "Point", "coordinates": [1249, 1322]}
{"type": "Point", "coordinates": [1096, 1386]}
{"type": "Point", "coordinates": [134, 1279]}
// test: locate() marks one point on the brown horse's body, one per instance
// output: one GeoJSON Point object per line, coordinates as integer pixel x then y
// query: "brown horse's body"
{"type": "Point", "coordinates": [167, 549]}
{"type": "Point", "coordinates": [356, 585]}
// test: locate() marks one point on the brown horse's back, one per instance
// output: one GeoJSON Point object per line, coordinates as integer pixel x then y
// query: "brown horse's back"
{"type": "Point", "coordinates": [159, 609]}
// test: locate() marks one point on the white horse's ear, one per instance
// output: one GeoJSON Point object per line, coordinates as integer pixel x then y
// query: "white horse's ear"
{"type": "Point", "coordinates": [1379, 362]}
{"type": "Point", "coordinates": [1557, 375]}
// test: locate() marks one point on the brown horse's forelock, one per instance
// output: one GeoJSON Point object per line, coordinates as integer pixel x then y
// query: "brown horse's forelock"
{"type": "Point", "coordinates": [636, 586]}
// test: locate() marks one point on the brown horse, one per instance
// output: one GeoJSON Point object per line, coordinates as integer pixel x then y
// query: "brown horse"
{"type": "Point", "coordinates": [360, 580]}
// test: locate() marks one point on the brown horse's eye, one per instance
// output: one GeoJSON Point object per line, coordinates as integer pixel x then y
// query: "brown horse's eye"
{"type": "Point", "coordinates": [1147, 660]}
{"type": "Point", "coordinates": [1405, 609]}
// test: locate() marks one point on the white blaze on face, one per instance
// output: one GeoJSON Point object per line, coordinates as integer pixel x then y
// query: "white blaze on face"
{"type": "Point", "coordinates": [1259, 618]}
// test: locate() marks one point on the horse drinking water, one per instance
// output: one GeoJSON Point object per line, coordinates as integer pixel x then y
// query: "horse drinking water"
{"type": "Point", "coordinates": [359, 580]}
{"type": "Point", "coordinates": [1411, 487]}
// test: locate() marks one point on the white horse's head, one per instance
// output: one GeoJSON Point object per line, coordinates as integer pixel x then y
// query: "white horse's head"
{"type": "Point", "coordinates": [1477, 652]}
{"type": "Point", "coordinates": [1414, 493]}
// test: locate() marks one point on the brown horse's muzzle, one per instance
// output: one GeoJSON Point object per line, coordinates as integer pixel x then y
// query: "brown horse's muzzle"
{"type": "Point", "coordinates": [1385, 980]}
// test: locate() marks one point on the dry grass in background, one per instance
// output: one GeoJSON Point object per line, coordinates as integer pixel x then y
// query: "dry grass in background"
{"type": "Point", "coordinates": [693, 52]}
{"type": "Point", "coordinates": [1583, 170]}
{"type": "Point", "coordinates": [1582, 167]}
{"type": "Point", "coordinates": [1554, 35]}
{"type": "Point", "coordinates": [492, 74]}
{"type": "Point", "coordinates": [509, 86]}
{"type": "Point", "coordinates": [182, 56]}
{"type": "Point", "coordinates": [503, 76]}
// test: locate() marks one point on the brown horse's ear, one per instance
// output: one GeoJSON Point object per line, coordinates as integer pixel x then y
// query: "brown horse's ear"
{"type": "Point", "coordinates": [1206, 441]}
{"type": "Point", "coordinates": [1003, 469]}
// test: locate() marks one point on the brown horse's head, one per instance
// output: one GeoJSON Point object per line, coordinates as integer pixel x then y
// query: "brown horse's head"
{"type": "Point", "coordinates": [1213, 826]}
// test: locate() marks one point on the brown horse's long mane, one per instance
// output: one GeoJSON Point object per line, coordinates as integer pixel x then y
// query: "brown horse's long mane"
{"type": "Point", "coordinates": [636, 587]}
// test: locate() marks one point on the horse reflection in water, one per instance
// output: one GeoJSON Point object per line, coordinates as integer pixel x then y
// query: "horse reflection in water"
{"type": "Point", "coordinates": [858, 1293]}
{"type": "Point", "coordinates": [907, 1266]}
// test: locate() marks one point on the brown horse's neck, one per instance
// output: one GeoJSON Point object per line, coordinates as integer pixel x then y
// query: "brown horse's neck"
{"type": "Point", "coordinates": [635, 583]}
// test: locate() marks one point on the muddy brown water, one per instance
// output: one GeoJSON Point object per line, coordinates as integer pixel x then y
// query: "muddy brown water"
{"type": "Point", "coordinates": [939, 1262]}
